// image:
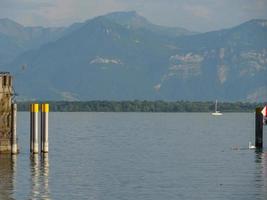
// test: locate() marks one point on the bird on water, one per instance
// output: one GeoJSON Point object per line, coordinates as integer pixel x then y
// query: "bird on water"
{"type": "Point", "coordinates": [250, 146]}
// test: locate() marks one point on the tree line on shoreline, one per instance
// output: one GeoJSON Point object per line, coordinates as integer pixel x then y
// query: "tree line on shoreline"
{"type": "Point", "coordinates": [143, 106]}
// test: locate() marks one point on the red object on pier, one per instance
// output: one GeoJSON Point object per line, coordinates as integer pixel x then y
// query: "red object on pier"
{"type": "Point", "coordinates": [264, 111]}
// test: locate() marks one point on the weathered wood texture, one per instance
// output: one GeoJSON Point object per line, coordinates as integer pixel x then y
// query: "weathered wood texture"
{"type": "Point", "coordinates": [6, 93]}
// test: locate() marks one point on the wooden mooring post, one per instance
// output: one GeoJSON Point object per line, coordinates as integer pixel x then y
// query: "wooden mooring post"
{"type": "Point", "coordinates": [14, 145]}
{"type": "Point", "coordinates": [258, 128]}
{"type": "Point", "coordinates": [34, 144]}
{"type": "Point", "coordinates": [34, 126]}
{"type": "Point", "coordinates": [44, 128]}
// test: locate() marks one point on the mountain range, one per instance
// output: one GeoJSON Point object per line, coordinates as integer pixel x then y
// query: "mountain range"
{"type": "Point", "coordinates": [123, 56]}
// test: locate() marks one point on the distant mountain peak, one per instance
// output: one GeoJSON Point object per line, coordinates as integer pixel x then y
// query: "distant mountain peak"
{"type": "Point", "coordinates": [10, 27]}
{"type": "Point", "coordinates": [261, 22]}
{"type": "Point", "coordinates": [257, 22]}
{"type": "Point", "coordinates": [8, 21]}
{"type": "Point", "coordinates": [130, 18]}
{"type": "Point", "coordinates": [100, 22]}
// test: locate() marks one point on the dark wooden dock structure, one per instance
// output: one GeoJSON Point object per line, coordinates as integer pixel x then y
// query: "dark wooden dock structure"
{"type": "Point", "coordinates": [7, 122]}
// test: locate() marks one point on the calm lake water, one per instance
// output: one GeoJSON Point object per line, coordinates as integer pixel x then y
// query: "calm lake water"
{"type": "Point", "coordinates": [132, 156]}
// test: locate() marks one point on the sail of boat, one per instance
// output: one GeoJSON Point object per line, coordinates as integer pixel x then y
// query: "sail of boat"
{"type": "Point", "coordinates": [216, 113]}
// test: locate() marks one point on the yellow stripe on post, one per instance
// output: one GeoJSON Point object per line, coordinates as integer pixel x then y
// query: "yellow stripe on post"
{"type": "Point", "coordinates": [35, 107]}
{"type": "Point", "coordinates": [45, 107]}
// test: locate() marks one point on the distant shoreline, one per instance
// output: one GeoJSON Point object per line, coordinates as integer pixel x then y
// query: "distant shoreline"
{"type": "Point", "coordinates": [143, 106]}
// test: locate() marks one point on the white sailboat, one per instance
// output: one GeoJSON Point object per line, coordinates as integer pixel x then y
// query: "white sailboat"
{"type": "Point", "coordinates": [216, 113]}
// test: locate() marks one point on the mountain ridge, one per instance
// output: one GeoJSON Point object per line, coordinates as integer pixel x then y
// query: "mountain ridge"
{"type": "Point", "coordinates": [133, 20]}
{"type": "Point", "coordinates": [101, 59]}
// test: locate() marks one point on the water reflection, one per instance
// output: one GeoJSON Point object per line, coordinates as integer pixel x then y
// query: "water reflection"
{"type": "Point", "coordinates": [40, 177]}
{"type": "Point", "coordinates": [8, 165]}
{"type": "Point", "coordinates": [45, 175]}
{"type": "Point", "coordinates": [261, 171]}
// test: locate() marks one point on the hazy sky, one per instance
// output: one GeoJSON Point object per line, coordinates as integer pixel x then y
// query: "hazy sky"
{"type": "Point", "coordinates": [198, 15]}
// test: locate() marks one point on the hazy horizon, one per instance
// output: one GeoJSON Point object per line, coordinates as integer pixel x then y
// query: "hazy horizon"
{"type": "Point", "coordinates": [82, 21]}
{"type": "Point", "coordinates": [201, 15]}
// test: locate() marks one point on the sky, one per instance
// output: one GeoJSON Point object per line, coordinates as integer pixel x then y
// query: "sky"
{"type": "Point", "coordinates": [195, 15]}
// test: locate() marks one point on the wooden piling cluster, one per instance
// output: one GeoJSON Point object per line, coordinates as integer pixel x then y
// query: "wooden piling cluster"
{"type": "Point", "coordinates": [34, 132]}
{"type": "Point", "coordinates": [8, 120]}
{"type": "Point", "coordinates": [8, 111]}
